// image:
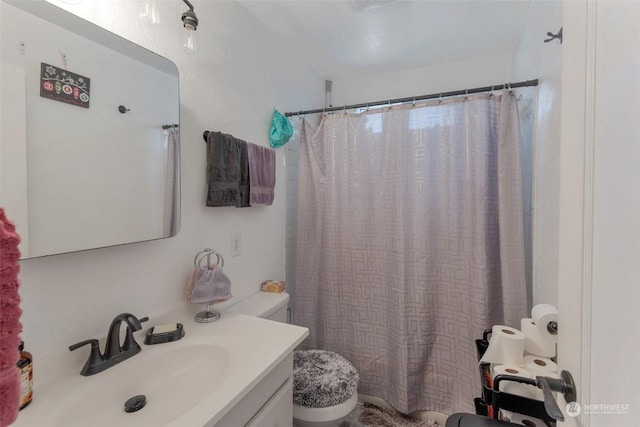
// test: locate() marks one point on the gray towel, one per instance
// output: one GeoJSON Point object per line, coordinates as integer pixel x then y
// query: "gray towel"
{"type": "Point", "coordinates": [227, 171]}
{"type": "Point", "coordinates": [262, 174]}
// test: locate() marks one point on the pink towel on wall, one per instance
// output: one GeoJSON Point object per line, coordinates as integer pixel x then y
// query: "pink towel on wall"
{"type": "Point", "coordinates": [10, 326]}
{"type": "Point", "coordinates": [262, 174]}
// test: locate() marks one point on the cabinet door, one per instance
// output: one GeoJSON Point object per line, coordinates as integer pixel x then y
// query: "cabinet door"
{"type": "Point", "coordinates": [278, 411]}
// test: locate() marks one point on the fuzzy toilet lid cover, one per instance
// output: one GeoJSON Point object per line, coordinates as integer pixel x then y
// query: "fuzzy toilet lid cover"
{"type": "Point", "coordinates": [322, 378]}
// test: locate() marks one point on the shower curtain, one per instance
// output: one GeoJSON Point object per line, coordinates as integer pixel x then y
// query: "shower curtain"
{"type": "Point", "coordinates": [410, 243]}
{"type": "Point", "coordinates": [171, 206]}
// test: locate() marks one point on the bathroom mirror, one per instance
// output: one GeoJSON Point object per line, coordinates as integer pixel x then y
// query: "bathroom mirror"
{"type": "Point", "coordinates": [88, 152]}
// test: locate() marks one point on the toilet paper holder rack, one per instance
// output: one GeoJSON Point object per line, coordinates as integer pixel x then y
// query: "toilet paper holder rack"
{"type": "Point", "coordinates": [564, 385]}
{"type": "Point", "coordinates": [493, 399]}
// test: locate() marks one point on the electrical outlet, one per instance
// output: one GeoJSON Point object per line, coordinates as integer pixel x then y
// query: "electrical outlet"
{"type": "Point", "coordinates": [236, 244]}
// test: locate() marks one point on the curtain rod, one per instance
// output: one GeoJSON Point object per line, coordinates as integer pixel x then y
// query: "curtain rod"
{"type": "Point", "coordinates": [418, 98]}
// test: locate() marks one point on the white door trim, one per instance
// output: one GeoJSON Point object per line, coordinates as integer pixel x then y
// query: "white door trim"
{"type": "Point", "coordinates": [576, 197]}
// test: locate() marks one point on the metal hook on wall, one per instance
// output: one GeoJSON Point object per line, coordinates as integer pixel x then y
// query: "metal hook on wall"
{"type": "Point", "coordinates": [554, 36]}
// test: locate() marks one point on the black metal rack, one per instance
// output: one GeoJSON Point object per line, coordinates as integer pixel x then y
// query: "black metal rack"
{"type": "Point", "coordinates": [492, 399]}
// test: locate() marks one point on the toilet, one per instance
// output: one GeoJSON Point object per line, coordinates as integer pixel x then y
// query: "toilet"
{"type": "Point", "coordinates": [327, 410]}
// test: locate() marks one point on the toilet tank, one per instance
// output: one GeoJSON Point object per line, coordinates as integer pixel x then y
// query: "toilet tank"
{"type": "Point", "coordinates": [267, 305]}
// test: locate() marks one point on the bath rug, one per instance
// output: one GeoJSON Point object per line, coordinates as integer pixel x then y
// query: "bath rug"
{"type": "Point", "coordinates": [370, 415]}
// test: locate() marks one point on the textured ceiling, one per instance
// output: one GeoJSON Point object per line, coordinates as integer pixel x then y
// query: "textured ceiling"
{"type": "Point", "coordinates": [347, 38]}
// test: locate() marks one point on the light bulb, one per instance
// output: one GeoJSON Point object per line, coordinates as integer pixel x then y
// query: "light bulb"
{"type": "Point", "coordinates": [190, 45]}
{"type": "Point", "coordinates": [154, 17]}
{"type": "Point", "coordinates": [150, 13]}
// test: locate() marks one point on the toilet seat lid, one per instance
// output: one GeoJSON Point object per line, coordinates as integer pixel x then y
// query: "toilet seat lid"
{"type": "Point", "coordinates": [322, 378]}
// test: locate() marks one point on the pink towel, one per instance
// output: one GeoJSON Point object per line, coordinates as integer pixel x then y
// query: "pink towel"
{"type": "Point", "coordinates": [210, 286]}
{"type": "Point", "coordinates": [262, 174]}
{"type": "Point", "coordinates": [10, 326]}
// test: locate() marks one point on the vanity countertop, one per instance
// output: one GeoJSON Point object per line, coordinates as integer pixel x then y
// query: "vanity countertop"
{"type": "Point", "coordinates": [250, 349]}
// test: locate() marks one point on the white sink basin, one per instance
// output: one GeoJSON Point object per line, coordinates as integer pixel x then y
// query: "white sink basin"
{"type": "Point", "coordinates": [196, 381]}
{"type": "Point", "coordinates": [196, 370]}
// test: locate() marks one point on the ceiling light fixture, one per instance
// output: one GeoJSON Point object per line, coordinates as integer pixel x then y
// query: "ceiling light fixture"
{"type": "Point", "coordinates": [189, 18]}
{"type": "Point", "coordinates": [190, 22]}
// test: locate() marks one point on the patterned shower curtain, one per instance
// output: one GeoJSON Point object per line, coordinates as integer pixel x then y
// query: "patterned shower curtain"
{"type": "Point", "coordinates": [410, 243]}
{"type": "Point", "coordinates": [171, 206]}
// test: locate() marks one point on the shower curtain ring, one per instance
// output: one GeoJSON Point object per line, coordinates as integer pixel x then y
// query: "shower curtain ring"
{"type": "Point", "coordinates": [440, 99]}
{"type": "Point", "coordinates": [414, 101]}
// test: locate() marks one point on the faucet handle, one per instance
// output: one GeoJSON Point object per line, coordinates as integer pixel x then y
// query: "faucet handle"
{"type": "Point", "coordinates": [564, 385]}
{"type": "Point", "coordinates": [142, 320]}
{"type": "Point", "coordinates": [95, 358]}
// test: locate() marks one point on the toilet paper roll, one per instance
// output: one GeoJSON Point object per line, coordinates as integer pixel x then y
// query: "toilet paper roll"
{"type": "Point", "coordinates": [512, 387]}
{"type": "Point", "coordinates": [506, 346]}
{"type": "Point", "coordinates": [535, 343]}
{"type": "Point", "coordinates": [543, 316]}
{"type": "Point", "coordinates": [505, 415]}
{"type": "Point", "coordinates": [542, 366]}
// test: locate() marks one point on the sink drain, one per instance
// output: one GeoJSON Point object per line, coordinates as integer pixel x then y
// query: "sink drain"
{"type": "Point", "coordinates": [135, 403]}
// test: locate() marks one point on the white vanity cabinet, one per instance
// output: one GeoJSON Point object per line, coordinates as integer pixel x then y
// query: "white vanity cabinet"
{"type": "Point", "coordinates": [268, 404]}
{"type": "Point", "coordinates": [278, 411]}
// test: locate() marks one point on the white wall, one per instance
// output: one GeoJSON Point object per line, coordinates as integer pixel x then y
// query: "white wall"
{"type": "Point", "coordinates": [487, 70]}
{"type": "Point", "coordinates": [535, 59]}
{"type": "Point", "coordinates": [230, 84]}
{"type": "Point", "coordinates": [13, 152]}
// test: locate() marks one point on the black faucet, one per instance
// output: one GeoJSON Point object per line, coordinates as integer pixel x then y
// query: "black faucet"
{"type": "Point", "coordinates": [113, 348]}
{"type": "Point", "coordinates": [114, 353]}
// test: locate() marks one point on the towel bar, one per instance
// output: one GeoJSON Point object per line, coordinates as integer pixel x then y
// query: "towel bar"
{"type": "Point", "coordinates": [207, 253]}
